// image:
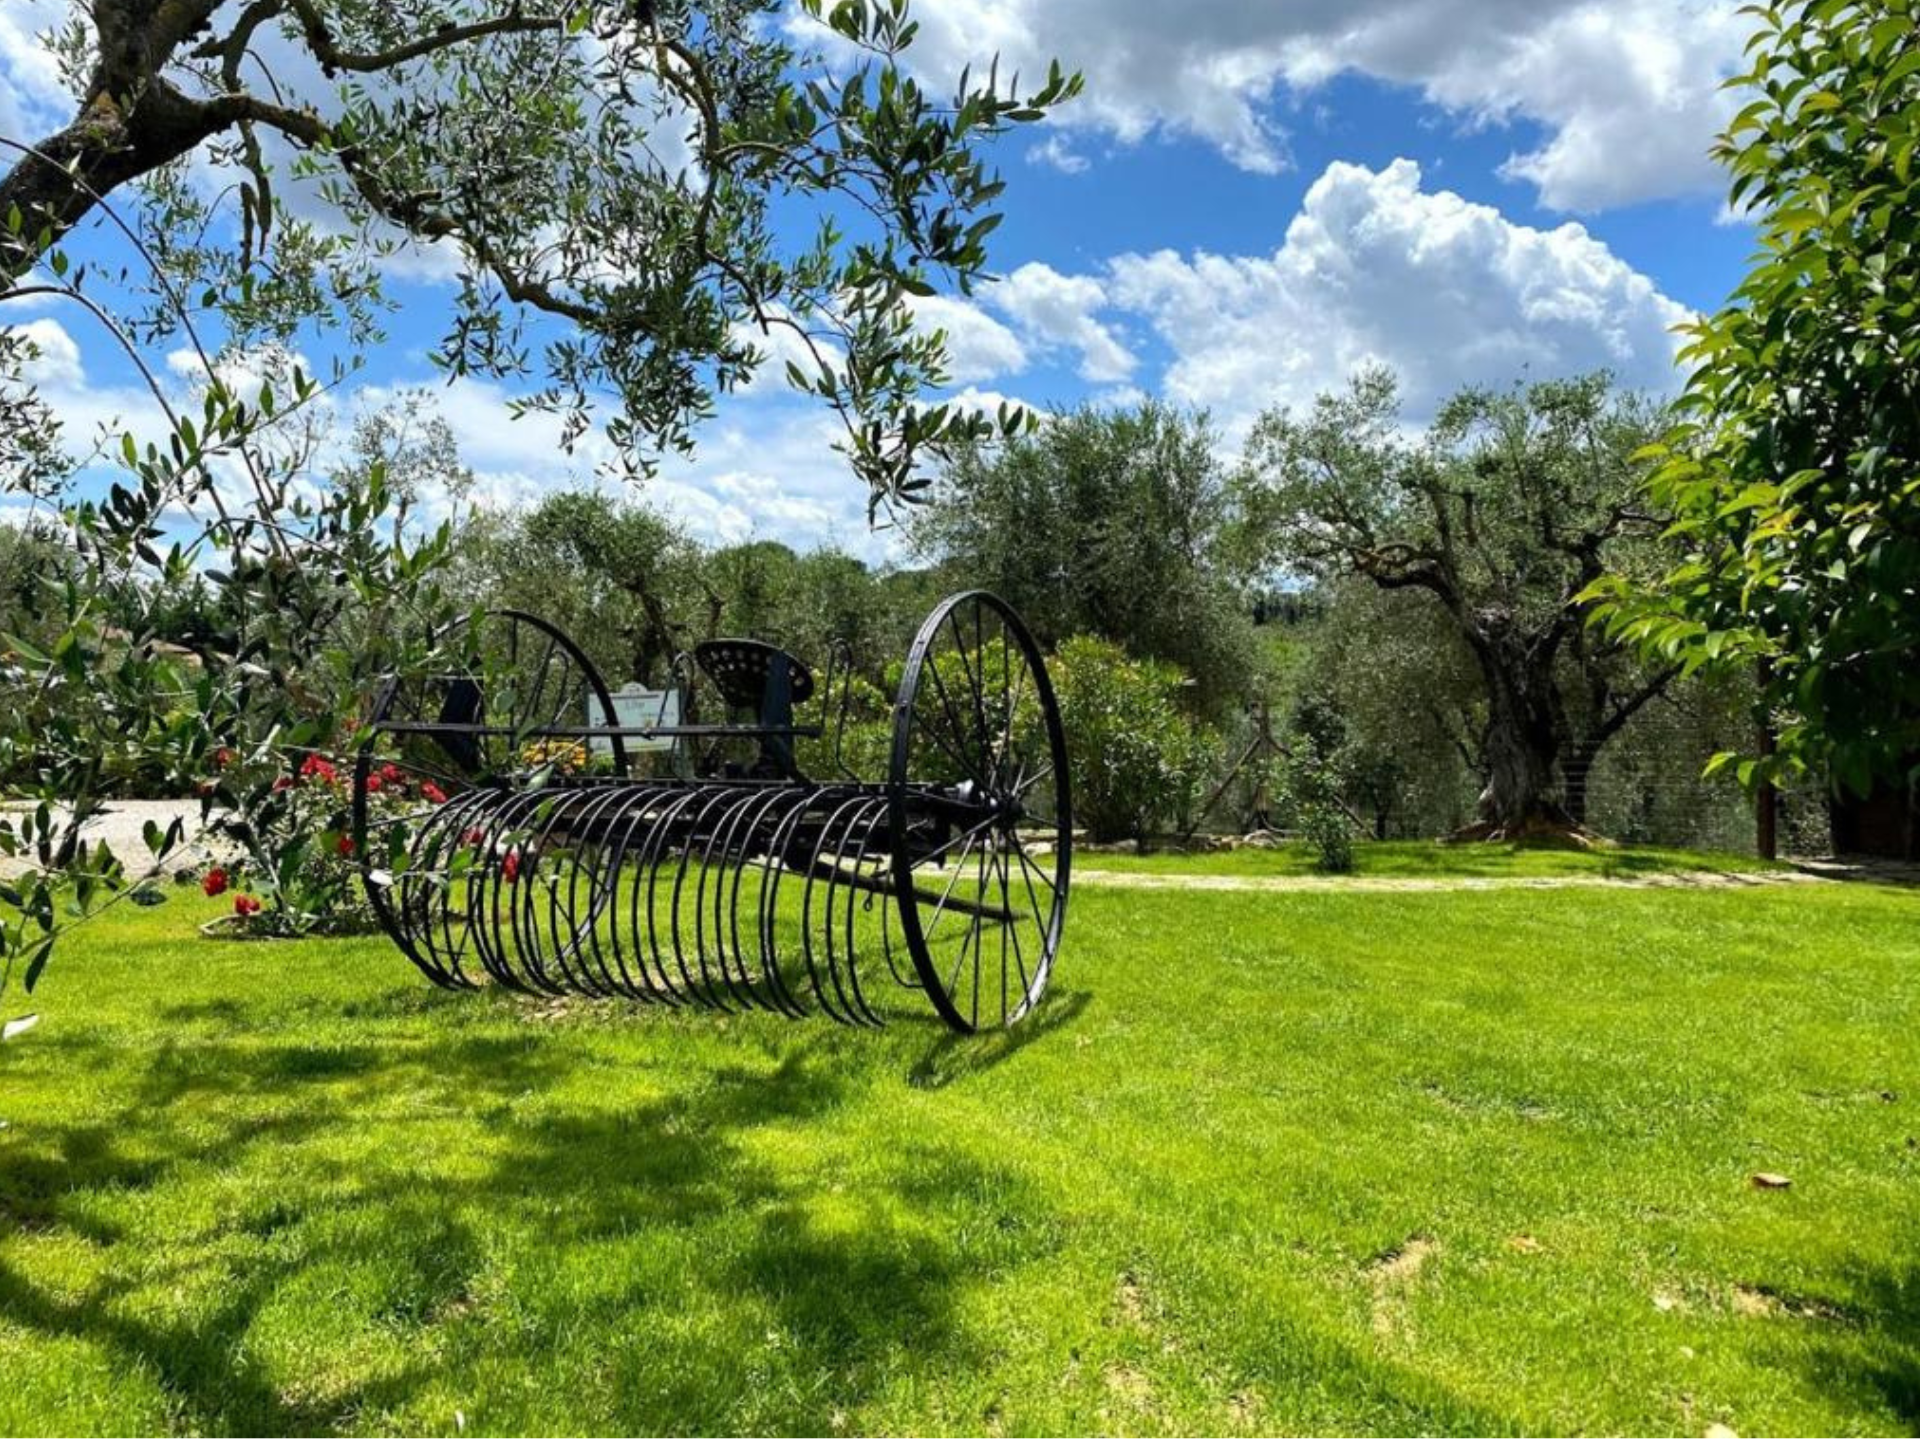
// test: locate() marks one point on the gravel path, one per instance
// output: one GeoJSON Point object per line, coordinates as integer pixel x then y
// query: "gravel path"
{"type": "Point", "coordinates": [123, 828]}
{"type": "Point", "coordinates": [1679, 880]}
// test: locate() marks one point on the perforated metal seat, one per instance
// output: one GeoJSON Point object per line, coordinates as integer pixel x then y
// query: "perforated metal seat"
{"type": "Point", "coordinates": [740, 670]}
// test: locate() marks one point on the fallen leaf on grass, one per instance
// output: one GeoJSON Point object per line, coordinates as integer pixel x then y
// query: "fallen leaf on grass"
{"type": "Point", "coordinates": [1524, 1244]}
{"type": "Point", "coordinates": [18, 1027]}
{"type": "Point", "coordinates": [1767, 1180]}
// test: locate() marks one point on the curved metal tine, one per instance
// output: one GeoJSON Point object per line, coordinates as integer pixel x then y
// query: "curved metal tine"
{"type": "Point", "coordinates": [743, 825]}
{"type": "Point", "coordinates": [628, 810]}
{"type": "Point", "coordinates": [784, 844]}
{"type": "Point", "coordinates": [507, 839]}
{"type": "Point", "coordinates": [528, 886]}
{"type": "Point", "coordinates": [825, 874]}
{"type": "Point", "coordinates": [840, 662]}
{"type": "Point", "coordinates": [819, 875]}
{"type": "Point", "coordinates": [423, 889]}
{"type": "Point", "coordinates": [661, 826]}
{"type": "Point", "coordinates": [485, 891]}
{"type": "Point", "coordinates": [529, 832]}
{"type": "Point", "coordinates": [648, 822]}
{"type": "Point", "coordinates": [479, 806]}
{"type": "Point", "coordinates": [658, 841]}
{"type": "Point", "coordinates": [718, 860]}
{"type": "Point", "coordinates": [869, 822]}
{"type": "Point", "coordinates": [780, 848]}
{"type": "Point", "coordinates": [703, 823]}
{"type": "Point", "coordinates": [809, 879]}
{"type": "Point", "coordinates": [764, 861]}
{"type": "Point", "coordinates": [910, 978]}
{"type": "Point", "coordinates": [586, 857]}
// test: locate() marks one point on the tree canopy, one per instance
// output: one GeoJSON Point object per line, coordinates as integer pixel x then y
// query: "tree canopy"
{"type": "Point", "coordinates": [671, 181]}
{"type": "Point", "coordinates": [1108, 523]}
{"type": "Point", "coordinates": [1794, 471]}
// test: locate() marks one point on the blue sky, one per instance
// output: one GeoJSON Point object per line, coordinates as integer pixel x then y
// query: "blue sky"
{"type": "Point", "coordinates": [1253, 198]}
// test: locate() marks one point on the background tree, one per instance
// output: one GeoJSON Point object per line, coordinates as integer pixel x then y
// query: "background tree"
{"type": "Point", "coordinates": [1795, 469]}
{"type": "Point", "coordinates": [1502, 513]}
{"type": "Point", "coordinates": [1107, 523]}
{"type": "Point", "coordinates": [618, 575]}
{"type": "Point", "coordinates": [1388, 689]}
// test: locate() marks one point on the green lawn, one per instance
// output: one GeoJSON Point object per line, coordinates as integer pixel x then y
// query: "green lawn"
{"type": "Point", "coordinates": [1405, 1162]}
{"type": "Point", "coordinates": [1419, 859]}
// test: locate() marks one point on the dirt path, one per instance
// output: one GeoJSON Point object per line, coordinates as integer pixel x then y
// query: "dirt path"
{"type": "Point", "coordinates": [1697, 880]}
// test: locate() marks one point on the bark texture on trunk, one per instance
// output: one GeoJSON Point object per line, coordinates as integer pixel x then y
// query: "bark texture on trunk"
{"type": "Point", "coordinates": [130, 123]}
{"type": "Point", "coordinates": [1524, 736]}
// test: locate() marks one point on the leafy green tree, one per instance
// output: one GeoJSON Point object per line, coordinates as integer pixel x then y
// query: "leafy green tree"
{"type": "Point", "coordinates": [622, 578]}
{"type": "Point", "coordinates": [1507, 508]}
{"type": "Point", "coordinates": [1139, 761]}
{"type": "Point", "coordinates": [609, 165]}
{"type": "Point", "coordinates": [1103, 522]}
{"type": "Point", "coordinates": [1794, 471]}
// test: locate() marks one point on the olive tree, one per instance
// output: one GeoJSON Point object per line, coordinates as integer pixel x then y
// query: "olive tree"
{"type": "Point", "coordinates": [1500, 515]}
{"type": "Point", "coordinates": [1112, 523]}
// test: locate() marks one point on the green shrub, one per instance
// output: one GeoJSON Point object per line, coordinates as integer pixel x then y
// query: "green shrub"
{"type": "Point", "coordinates": [1313, 784]}
{"type": "Point", "coordinates": [1138, 759]}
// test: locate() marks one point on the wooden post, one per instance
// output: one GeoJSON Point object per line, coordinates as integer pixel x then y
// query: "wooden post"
{"type": "Point", "coordinates": [1766, 799]}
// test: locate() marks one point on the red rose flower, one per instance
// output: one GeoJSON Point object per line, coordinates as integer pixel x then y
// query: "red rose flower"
{"type": "Point", "coordinates": [345, 847]}
{"type": "Point", "coordinates": [285, 782]}
{"type": "Point", "coordinates": [474, 836]}
{"type": "Point", "coordinates": [393, 775]}
{"type": "Point", "coordinates": [244, 905]}
{"type": "Point", "coordinates": [223, 757]}
{"type": "Point", "coordinates": [510, 867]}
{"type": "Point", "coordinates": [431, 791]}
{"type": "Point", "coordinates": [316, 767]}
{"type": "Point", "coordinates": [214, 882]}
{"type": "Point", "coordinates": [373, 784]}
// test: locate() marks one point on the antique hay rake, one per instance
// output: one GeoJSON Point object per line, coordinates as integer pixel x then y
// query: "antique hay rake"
{"type": "Point", "coordinates": [511, 829]}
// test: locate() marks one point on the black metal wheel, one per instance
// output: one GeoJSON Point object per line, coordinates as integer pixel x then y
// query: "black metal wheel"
{"type": "Point", "coordinates": [446, 828]}
{"type": "Point", "coordinates": [979, 813]}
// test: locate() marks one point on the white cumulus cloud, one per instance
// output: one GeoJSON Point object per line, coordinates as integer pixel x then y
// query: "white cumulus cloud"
{"type": "Point", "coordinates": [1626, 91]}
{"type": "Point", "coordinates": [1058, 312]}
{"type": "Point", "coordinates": [1376, 269]}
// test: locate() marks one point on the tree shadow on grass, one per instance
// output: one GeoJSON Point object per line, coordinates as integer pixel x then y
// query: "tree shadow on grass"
{"type": "Point", "coordinates": [549, 1225]}
{"type": "Point", "coordinates": [1872, 1343]}
{"type": "Point", "coordinates": [395, 1247]}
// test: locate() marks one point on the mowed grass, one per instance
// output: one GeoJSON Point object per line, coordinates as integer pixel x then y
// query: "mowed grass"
{"type": "Point", "coordinates": [1264, 1162]}
{"type": "Point", "coordinates": [1428, 859]}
